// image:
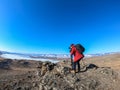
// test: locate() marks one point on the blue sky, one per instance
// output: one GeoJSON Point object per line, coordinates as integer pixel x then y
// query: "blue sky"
{"type": "Point", "coordinates": [50, 26]}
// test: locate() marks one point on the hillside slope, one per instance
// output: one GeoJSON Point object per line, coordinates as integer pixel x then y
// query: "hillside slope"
{"type": "Point", "coordinates": [37, 75]}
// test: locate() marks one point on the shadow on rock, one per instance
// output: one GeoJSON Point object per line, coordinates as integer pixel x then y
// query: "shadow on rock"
{"type": "Point", "coordinates": [90, 66]}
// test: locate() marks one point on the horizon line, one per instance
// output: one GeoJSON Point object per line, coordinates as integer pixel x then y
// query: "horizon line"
{"type": "Point", "coordinates": [57, 53]}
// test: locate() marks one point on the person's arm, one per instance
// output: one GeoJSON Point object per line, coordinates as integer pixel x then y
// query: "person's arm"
{"type": "Point", "coordinates": [72, 51]}
{"type": "Point", "coordinates": [71, 54]}
{"type": "Point", "coordinates": [71, 57]}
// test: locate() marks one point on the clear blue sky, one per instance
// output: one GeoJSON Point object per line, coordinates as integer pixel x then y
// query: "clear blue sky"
{"type": "Point", "coordinates": [50, 26]}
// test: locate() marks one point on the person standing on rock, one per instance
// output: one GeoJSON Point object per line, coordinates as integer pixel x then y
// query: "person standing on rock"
{"type": "Point", "coordinates": [77, 55]}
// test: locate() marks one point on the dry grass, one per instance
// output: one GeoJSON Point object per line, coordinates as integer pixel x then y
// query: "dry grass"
{"type": "Point", "coordinates": [112, 61]}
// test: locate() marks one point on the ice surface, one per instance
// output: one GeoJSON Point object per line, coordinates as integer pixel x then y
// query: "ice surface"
{"type": "Point", "coordinates": [14, 56]}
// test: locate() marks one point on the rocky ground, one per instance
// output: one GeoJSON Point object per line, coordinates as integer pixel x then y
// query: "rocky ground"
{"type": "Point", "coordinates": [97, 73]}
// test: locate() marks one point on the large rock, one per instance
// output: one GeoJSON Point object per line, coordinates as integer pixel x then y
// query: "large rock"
{"type": "Point", "coordinates": [5, 64]}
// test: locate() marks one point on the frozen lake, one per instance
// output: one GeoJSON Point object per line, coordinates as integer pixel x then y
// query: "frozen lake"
{"type": "Point", "coordinates": [19, 57]}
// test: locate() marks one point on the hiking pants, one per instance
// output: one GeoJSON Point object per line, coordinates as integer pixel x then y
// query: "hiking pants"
{"type": "Point", "coordinates": [76, 64]}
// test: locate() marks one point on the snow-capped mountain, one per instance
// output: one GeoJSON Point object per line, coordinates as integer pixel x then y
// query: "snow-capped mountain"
{"type": "Point", "coordinates": [20, 56]}
{"type": "Point", "coordinates": [52, 56]}
{"type": "Point", "coordinates": [13, 55]}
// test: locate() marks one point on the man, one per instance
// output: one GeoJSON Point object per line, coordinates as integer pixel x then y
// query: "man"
{"type": "Point", "coordinates": [77, 57]}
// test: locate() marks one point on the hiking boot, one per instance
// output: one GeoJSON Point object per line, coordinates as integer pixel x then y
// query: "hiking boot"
{"type": "Point", "coordinates": [78, 71]}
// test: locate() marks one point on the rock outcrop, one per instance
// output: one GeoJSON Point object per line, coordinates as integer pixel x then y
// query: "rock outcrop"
{"type": "Point", "coordinates": [36, 75]}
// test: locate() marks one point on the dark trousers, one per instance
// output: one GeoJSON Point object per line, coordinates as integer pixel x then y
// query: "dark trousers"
{"type": "Point", "coordinates": [76, 64]}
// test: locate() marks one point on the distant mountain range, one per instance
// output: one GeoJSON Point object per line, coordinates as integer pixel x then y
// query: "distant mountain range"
{"type": "Point", "coordinates": [14, 55]}
{"type": "Point", "coordinates": [52, 56]}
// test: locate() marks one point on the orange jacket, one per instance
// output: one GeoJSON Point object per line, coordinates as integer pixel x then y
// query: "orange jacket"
{"type": "Point", "coordinates": [75, 52]}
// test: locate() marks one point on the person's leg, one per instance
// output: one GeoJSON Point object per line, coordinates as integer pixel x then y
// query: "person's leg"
{"type": "Point", "coordinates": [74, 66]}
{"type": "Point", "coordinates": [78, 63]}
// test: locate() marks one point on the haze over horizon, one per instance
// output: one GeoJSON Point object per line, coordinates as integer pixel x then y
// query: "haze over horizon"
{"type": "Point", "coordinates": [50, 26]}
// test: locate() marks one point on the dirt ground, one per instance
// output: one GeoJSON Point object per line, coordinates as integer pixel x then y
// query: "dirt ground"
{"type": "Point", "coordinates": [112, 61]}
{"type": "Point", "coordinates": [32, 75]}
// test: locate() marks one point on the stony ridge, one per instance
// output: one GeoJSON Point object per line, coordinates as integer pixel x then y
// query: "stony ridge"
{"type": "Point", "coordinates": [37, 75]}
